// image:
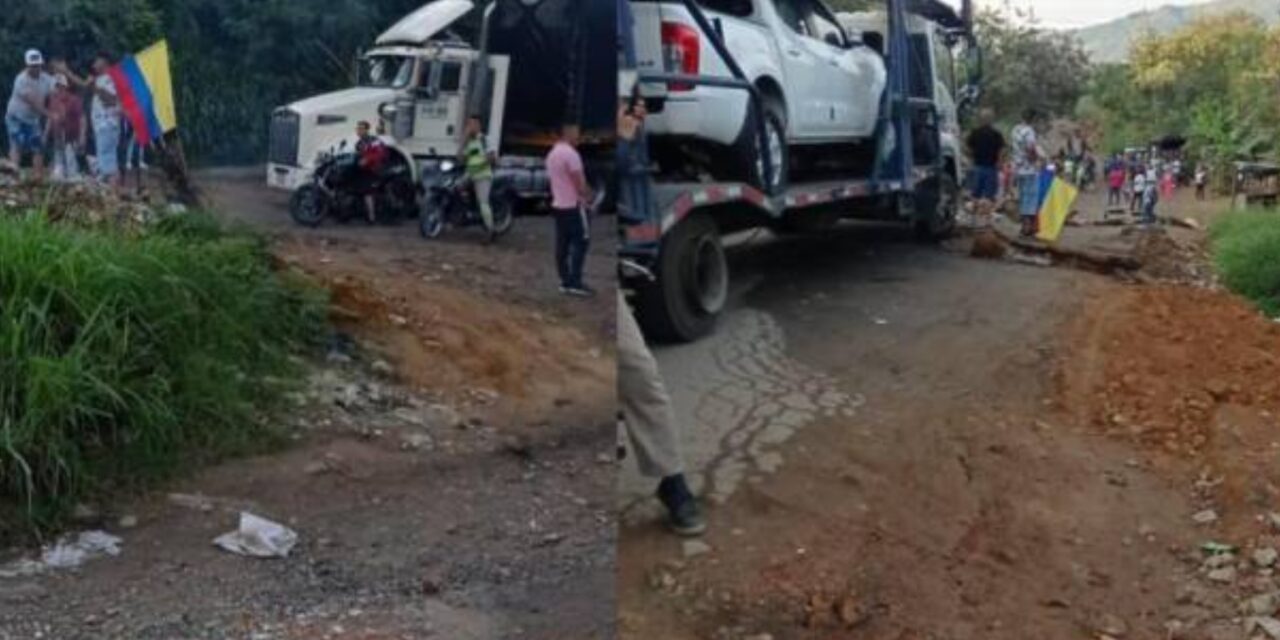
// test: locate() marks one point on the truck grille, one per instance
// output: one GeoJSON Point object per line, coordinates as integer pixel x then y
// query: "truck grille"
{"type": "Point", "coordinates": [284, 138]}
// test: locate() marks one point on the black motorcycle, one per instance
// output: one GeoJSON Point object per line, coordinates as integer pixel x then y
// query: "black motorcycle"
{"type": "Point", "coordinates": [338, 188]}
{"type": "Point", "coordinates": [451, 201]}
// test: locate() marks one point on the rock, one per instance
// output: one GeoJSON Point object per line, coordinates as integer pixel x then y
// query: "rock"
{"type": "Point", "coordinates": [1274, 519]}
{"type": "Point", "coordinates": [382, 367]}
{"type": "Point", "coordinates": [1208, 516]}
{"type": "Point", "coordinates": [1262, 605]}
{"type": "Point", "coordinates": [1269, 626]}
{"type": "Point", "coordinates": [398, 320]}
{"type": "Point", "coordinates": [1219, 560]}
{"type": "Point", "coordinates": [1224, 575]}
{"type": "Point", "coordinates": [1111, 625]}
{"type": "Point", "coordinates": [442, 416]}
{"type": "Point", "coordinates": [695, 548]}
{"type": "Point", "coordinates": [127, 522]}
{"type": "Point", "coordinates": [316, 468]}
{"type": "Point", "coordinates": [84, 513]}
{"type": "Point", "coordinates": [418, 442]}
{"type": "Point", "coordinates": [1265, 557]}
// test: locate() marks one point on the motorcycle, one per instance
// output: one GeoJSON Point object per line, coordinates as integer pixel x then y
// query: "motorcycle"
{"type": "Point", "coordinates": [338, 188]}
{"type": "Point", "coordinates": [451, 201]}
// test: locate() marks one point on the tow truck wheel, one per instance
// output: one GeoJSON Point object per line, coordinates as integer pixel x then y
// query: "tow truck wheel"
{"type": "Point", "coordinates": [937, 206]}
{"type": "Point", "coordinates": [691, 287]}
{"type": "Point", "coordinates": [307, 206]}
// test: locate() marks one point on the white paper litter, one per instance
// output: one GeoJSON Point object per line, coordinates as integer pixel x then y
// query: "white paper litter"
{"type": "Point", "coordinates": [69, 552]}
{"type": "Point", "coordinates": [258, 538]}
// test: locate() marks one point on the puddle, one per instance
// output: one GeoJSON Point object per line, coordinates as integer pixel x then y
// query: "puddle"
{"type": "Point", "coordinates": [740, 397]}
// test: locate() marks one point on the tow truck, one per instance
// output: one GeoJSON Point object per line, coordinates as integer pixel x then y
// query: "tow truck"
{"type": "Point", "coordinates": [672, 256]}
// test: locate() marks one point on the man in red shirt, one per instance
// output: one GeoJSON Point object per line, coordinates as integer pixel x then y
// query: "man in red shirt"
{"type": "Point", "coordinates": [371, 156]}
{"type": "Point", "coordinates": [65, 129]}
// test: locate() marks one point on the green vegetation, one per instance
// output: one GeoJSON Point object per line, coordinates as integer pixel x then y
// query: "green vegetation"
{"type": "Point", "coordinates": [1246, 248]}
{"type": "Point", "coordinates": [234, 60]}
{"type": "Point", "coordinates": [124, 359]}
{"type": "Point", "coordinates": [1215, 82]}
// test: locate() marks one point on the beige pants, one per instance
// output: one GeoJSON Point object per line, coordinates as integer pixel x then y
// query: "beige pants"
{"type": "Point", "coordinates": [484, 186]}
{"type": "Point", "coordinates": [646, 407]}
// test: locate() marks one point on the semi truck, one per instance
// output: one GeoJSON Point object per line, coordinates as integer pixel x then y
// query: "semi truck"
{"type": "Point", "coordinates": [524, 67]}
{"type": "Point", "coordinates": [672, 227]}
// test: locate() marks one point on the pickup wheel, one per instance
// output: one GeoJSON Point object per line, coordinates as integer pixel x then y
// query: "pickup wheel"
{"type": "Point", "coordinates": [691, 284]}
{"type": "Point", "coordinates": [937, 206]}
{"type": "Point", "coordinates": [746, 155]}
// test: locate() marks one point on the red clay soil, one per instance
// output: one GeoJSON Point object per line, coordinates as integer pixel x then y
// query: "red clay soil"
{"type": "Point", "coordinates": [1191, 374]}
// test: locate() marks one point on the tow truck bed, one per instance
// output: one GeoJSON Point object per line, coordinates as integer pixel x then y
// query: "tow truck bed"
{"type": "Point", "coordinates": [674, 201]}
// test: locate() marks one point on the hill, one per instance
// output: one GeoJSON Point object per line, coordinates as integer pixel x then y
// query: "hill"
{"type": "Point", "coordinates": [1110, 41]}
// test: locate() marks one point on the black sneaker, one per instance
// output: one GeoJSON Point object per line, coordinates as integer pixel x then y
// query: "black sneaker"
{"type": "Point", "coordinates": [684, 516]}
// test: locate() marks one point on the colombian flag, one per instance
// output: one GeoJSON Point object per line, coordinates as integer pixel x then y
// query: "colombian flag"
{"type": "Point", "coordinates": [145, 87]}
{"type": "Point", "coordinates": [1056, 198]}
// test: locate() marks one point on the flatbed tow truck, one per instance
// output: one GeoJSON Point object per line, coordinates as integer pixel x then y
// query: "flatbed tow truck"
{"type": "Point", "coordinates": [672, 256]}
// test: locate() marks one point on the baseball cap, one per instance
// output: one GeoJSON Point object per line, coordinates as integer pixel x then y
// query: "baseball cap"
{"type": "Point", "coordinates": [34, 57]}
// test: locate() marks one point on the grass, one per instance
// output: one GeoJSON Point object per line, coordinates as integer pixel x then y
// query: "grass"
{"type": "Point", "coordinates": [1246, 248]}
{"type": "Point", "coordinates": [126, 359]}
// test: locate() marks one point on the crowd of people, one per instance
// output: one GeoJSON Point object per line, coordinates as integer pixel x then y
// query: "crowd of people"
{"type": "Point", "coordinates": [1136, 180]}
{"type": "Point", "coordinates": [75, 121]}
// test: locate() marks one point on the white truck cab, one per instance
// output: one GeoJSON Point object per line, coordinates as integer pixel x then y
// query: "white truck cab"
{"type": "Point", "coordinates": [415, 82]}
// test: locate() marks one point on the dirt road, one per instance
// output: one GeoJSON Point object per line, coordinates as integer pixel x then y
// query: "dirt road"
{"type": "Point", "coordinates": [449, 467]}
{"type": "Point", "coordinates": [902, 442]}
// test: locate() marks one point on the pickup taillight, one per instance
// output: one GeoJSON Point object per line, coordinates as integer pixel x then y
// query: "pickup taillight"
{"type": "Point", "coordinates": [681, 52]}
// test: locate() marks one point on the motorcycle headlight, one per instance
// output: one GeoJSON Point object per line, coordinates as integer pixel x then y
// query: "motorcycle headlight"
{"type": "Point", "coordinates": [447, 166]}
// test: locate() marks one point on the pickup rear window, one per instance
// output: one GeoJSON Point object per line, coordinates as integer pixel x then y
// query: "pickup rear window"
{"type": "Point", "coordinates": [736, 8]}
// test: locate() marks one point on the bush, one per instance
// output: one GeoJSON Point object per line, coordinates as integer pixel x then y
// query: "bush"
{"type": "Point", "coordinates": [1246, 247]}
{"type": "Point", "coordinates": [123, 359]}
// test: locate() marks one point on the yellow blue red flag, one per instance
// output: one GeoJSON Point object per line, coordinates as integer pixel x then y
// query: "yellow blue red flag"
{"type": "Point", "coordinates": [145, 86]}
{"type": "Point", "coordinates": [1056, 198]}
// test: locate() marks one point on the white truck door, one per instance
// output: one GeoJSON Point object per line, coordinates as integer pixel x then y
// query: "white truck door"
{"type": "Point", "coordinates": [804, 72]}
{"type": "Point", "coordinates": [440, 107]}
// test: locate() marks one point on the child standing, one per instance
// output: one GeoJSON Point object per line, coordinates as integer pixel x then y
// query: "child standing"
{"type": "Point", "coordinates": [1115, 184]}
{"type": "Point", "coordinates": [1150, 196]}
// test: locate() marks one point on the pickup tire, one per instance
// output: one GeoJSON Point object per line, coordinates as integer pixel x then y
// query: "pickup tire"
{"type": "Point", "coordinates": [937, 206]}
{"type": "Point", "coordinates": [691, 284]}
{"type": "Point", "coordinates": [745, 156]}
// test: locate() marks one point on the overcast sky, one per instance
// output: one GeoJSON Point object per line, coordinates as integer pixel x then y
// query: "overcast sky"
{"type": "Point", "coordinates": [1064, 14]}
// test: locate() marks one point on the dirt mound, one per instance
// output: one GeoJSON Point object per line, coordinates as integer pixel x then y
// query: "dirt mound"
{"type": "Point", "coordinates": [460, 345]}
{"type": "Point", "coordinates": [1158, 365]}
{"type": "Point", "coordinates": [82, 203]}
{"type": "Point", "coordinates": [1167, 259]}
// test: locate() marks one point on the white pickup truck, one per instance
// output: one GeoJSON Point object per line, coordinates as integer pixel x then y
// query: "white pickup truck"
{"type": "Point", "coordinates": [819, 84]}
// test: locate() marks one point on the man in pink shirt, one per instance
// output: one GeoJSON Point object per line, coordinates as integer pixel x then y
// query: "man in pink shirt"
{"type": "Point", "coordinates": [570, 197]}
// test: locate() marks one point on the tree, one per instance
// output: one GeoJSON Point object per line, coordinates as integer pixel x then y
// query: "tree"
{"type": "Point", "coordinates": [1026, 66]}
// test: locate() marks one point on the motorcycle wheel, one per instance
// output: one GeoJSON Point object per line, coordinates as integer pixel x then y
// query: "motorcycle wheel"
{"type": "Point", "coordinates": [431, 217]}
{"type": "Point", "coordinates": [308, 206]}
{"type": "Point", "coordinates": [504, 208]}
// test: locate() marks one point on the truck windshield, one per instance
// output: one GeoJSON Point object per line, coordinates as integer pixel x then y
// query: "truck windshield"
{"type": "Point", "coordinates": [386, 71]}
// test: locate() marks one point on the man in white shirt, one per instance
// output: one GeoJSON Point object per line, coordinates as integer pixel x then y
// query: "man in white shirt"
{"type": "Point", "coordinates": [24, 116]}
{"type": "Point", "coordinates": [104, 115]}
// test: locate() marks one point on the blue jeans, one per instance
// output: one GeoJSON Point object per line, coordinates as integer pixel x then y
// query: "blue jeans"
{"type": "Point", "coordinates": [984, 183]}
{"type": "Point", "coordinates": [1028, 195]}
{"type": "Point", "coordinates": [106, 140]}
{"type": "Point", "coordinates": [573, 238]}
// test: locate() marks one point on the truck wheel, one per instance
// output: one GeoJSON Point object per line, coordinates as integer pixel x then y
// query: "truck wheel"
{"type": "Point", "coordinates": [307, 206]}
{"type": "Point", "coordinates": [937, 206]}
{"type": "Point", "coordinates": [747, 158]}
{"type": "Point", "coordinates": [431, 217]}
{"type": "Point", "coordinates": [691, 284]}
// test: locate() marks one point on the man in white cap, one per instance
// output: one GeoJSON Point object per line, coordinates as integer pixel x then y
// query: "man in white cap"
{"type": "Point", "coordinates": [28, 106]}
